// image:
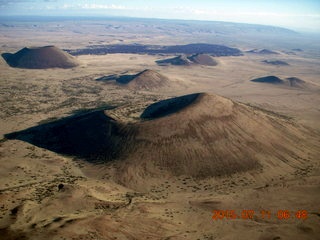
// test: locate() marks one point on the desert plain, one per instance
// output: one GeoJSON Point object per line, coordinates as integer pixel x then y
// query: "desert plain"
{"type": "Point", "coordinates": [239, 145]}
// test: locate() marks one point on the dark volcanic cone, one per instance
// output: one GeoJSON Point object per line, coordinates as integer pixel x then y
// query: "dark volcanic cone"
{"type": "Point", "coordinates": [276, 62]}
{"type": "Point", "coordinates": [268, 79]}
{"type": "Point", "coordinates": [40, 58]}
{"type": "Point", "coordinates": [182, 60]}
{"type": "Point", "coordinates": [293, 82]}
{"type": "Point", "coordinates": [208, 135]}
{"type": "Point", "coordinates": [262, 51]}
{"type": "Point", "coordinates": [148, 80]}
{"type": "Point", "coordinates": [198, 135]}
{"type": "Point", "coordinates": [144, 80]}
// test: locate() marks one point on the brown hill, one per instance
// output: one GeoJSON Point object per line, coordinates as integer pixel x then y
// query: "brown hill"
{"type": "Point", "coordinates": [296, 82]}
{"type": "Point", "coordinates": [148, 80]}
{"type": "Point", "coordinates": [203, 59]}
{"type": "Point", "coordinates": [198, 135]}
{"type": "Point", "coordinates": [40, 58]}
{"type": "Point", "coordinates": [269, 79]}
{"type": "Point", "coordinates": [262, 51]}
{"type": "Point", "coordinates": [211, 136]}
{"type": "Point", "coordinates": [180, 60]}
{"type": "Point", "coordinates": [183, 60]}
{"type": "Point", "coordinates": [293, 82]}
{"type": "Point", "coordinates": [276, 62]}
{"type": "Point", "coordinates": [145, 80]}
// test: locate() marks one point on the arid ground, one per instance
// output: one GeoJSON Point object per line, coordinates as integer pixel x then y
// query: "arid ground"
{"type": "Point", "coordinates": [256, 147]}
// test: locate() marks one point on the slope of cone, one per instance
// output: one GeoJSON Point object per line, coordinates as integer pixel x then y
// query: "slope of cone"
{"type": "Point", "coordinates": [276, 62]}
{"type": "Point", "coordinates": [183, 60]}
{"type": "Point", "coordinates": [180, 60]}
{"type": "Point", "coordinates": [296, 82]}
{"type": "Point", "coordinates": [198, 135]}
{"type": "Point", "coordinates": [93, 136]}
{"type": "Point", "coordinates": [268, 79]}
{"type": "Point", "coordinates": [203, 59]}
{"type": "Point", "coordinates": [144, 80]}
{"type": "Point", "coordinates": [214, 136]}
{"type": "Point", "coordinates": [148, 80]}
{"type": "Point", "coordinates": [40, 58]}
{"type": "Point", "coordinates": [262, 51]}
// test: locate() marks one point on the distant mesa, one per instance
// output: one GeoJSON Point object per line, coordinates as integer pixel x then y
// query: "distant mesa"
{"type": "Point", "coordinates": [199, 135]}
{"type": "Point", "coordinates": [262, 51]}
{"type": "Point", "coordinates": [145, 80]}
{"type": "Point", "coordinates": [290, 82]}
{"type": "Point", "coordinates": [40, 58]}
{"type": "Point", "coordinates": [276, 62]}
{"type": "Point", "coordinates": [183, 60]}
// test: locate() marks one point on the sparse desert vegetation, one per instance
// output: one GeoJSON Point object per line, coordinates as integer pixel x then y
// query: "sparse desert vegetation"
{"type": "Point", "coordinates": [157, 124]}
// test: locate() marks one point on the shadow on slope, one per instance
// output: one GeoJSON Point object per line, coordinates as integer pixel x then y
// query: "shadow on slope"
{"type": "Point", "coordinates": [296, 82]}
{"type": "Point", "coordinates": [203, 59]}
{"type": "Point", "coordinates": [292, 82]}
{"type": "Point", "coordinates": [180, 60]}
{"type": "Point", "coordinates": [268, 79]}
{"type": "Point", "coordinates": [276, 62]}
{"type": "Point", "coordinates": [199, 135]}
{"type": "Point", "coordinates": [93, 136]}
{"type": "Point", "coordinates": [122, 79]}
{"type": "Point", "coordinates": [168, 106]}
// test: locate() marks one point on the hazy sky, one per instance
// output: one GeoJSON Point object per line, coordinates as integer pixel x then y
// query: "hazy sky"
{"type": "Point", "coordinates": [295, 14]}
